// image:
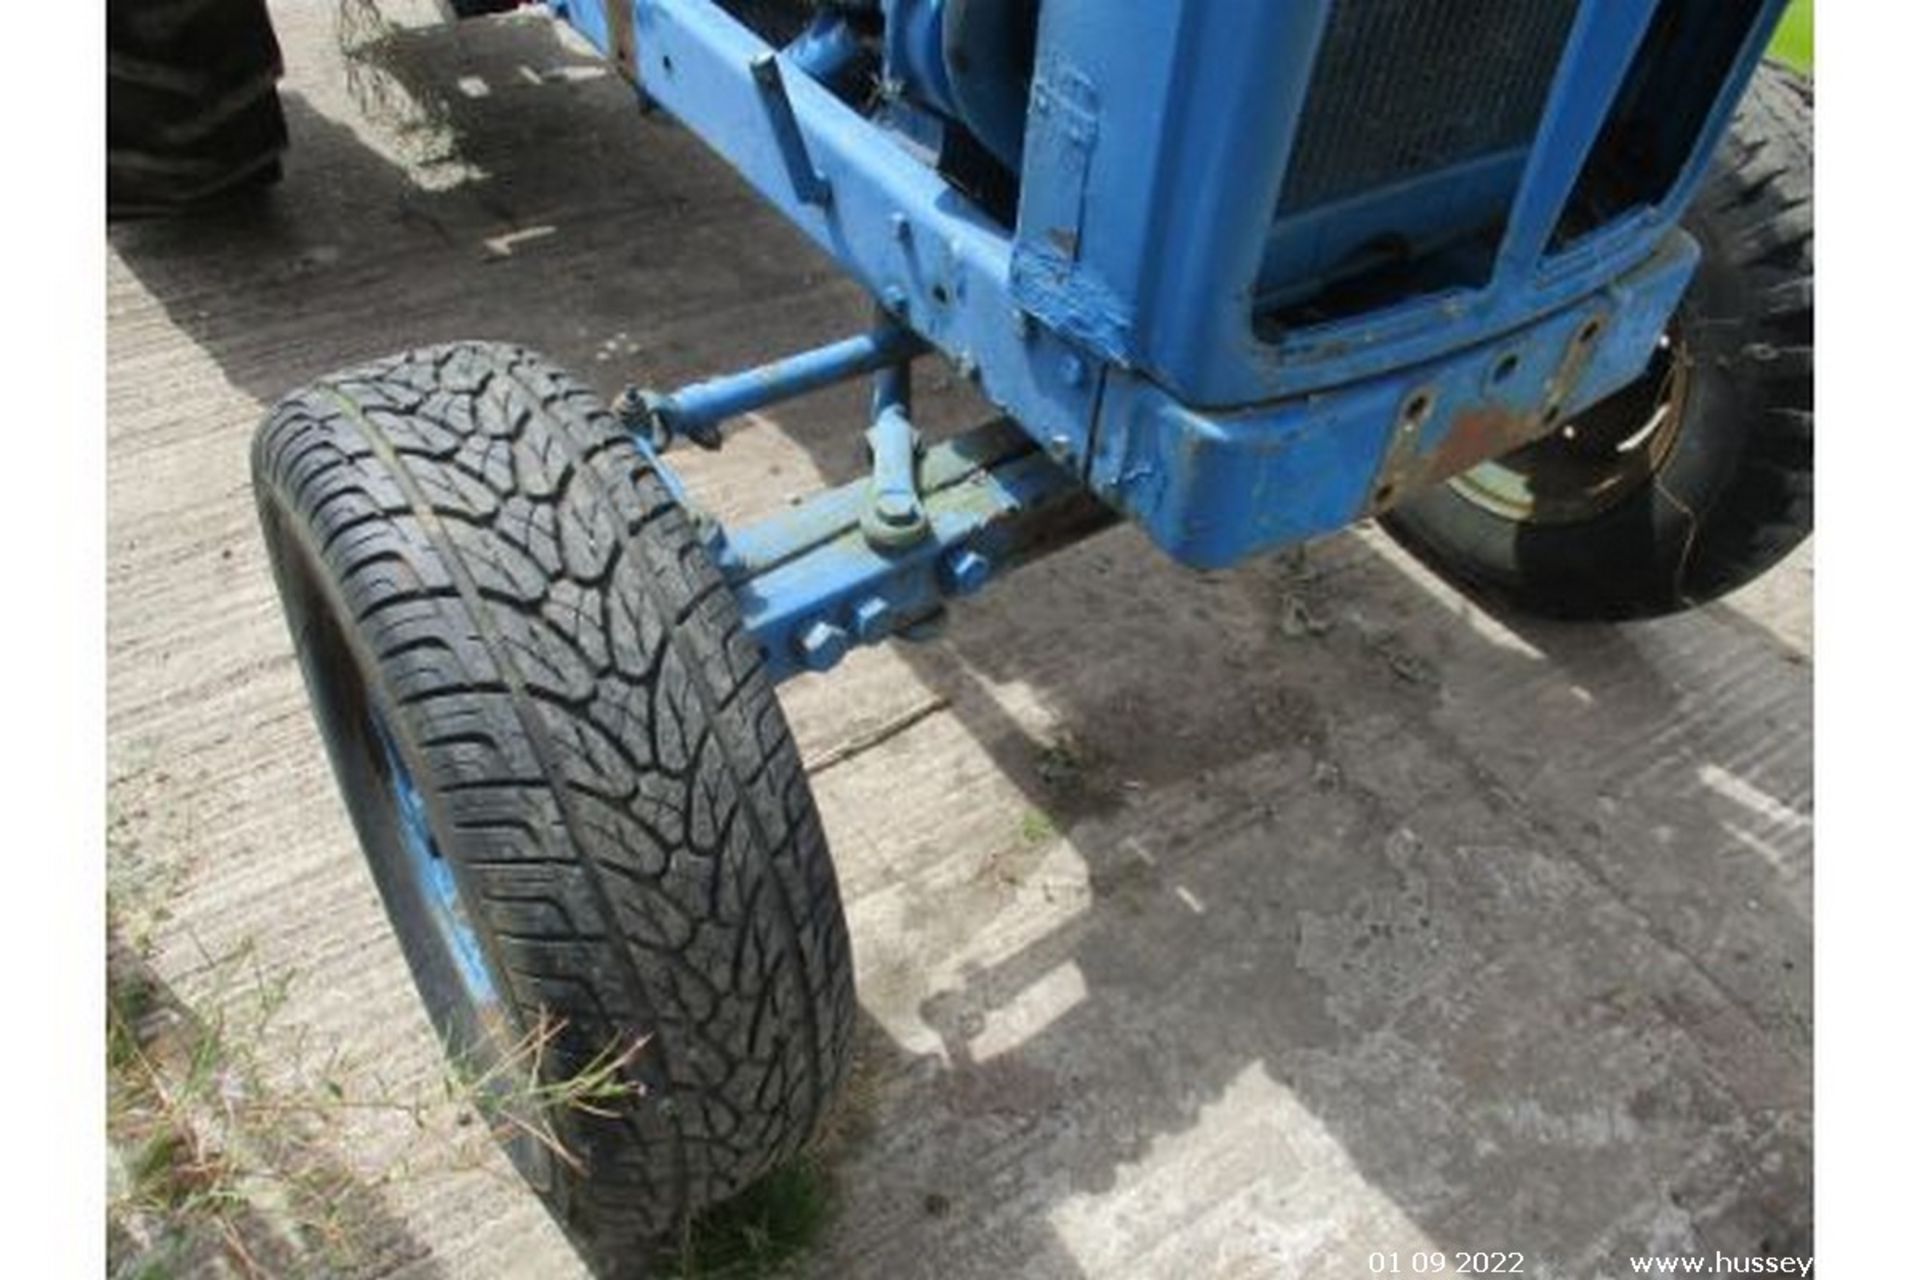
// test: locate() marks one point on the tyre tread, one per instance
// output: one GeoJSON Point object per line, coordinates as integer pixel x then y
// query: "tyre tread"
{"type": "Point", "coordinates": [555, 641]}
{"type": "Point", "coordinates": [192, 106]}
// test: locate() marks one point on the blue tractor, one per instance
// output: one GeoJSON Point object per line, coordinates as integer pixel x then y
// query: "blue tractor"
{"type": "Point", "coordinates": [1528, 280]}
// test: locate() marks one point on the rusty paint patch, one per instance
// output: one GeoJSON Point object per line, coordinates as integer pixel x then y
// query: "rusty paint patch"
{"type": "Point", "coordinates": [620, 34]}
{"type": "Point", "coordinates": [1476, 435]}
{"type": "Point", "coordinates": [1479, 431]}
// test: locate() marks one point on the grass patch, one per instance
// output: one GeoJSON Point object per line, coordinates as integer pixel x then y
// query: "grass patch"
{"type": "Point", "coordinates": [210, 1170]}
{"type": "Point", "coordinates": [223, 1126]}
{"type": "Point", "coordinates": [1037, 828]}
{"type": "Point", "coordinates": [227, 1128]}
{"type": "Point", "coordinates": [222, 1129]}
{"type": "Point", "coordinates": [758, 1232]}
{"type": "Point", "coordinates": [239, 1145]}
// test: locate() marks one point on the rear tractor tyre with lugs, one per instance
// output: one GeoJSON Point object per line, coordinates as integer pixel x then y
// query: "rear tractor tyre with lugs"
{"type": "Point", "coordinates": [193, 108]}
{"type": "Point", "coordinates": [1698, 478]}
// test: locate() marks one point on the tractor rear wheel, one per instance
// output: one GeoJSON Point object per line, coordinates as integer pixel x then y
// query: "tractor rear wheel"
{"type": "Point", "coordinates": [193, 113]}
{"type": "Point", "coordinates": [1699, 477]}
{"type": "Point", "coordinates": [569, 775]}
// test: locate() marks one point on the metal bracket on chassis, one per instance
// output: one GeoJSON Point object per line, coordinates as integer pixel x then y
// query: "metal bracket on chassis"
{"type": "Point", "coordinates": [880, 556]}
{"type": "Point", "coordinates": [697, 412]}
{"type": "Point", "coordinates": [811, 583]}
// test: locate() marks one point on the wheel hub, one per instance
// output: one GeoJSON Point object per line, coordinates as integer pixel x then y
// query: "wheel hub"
{"type": "Point", "coordinates": [433, 877]}
{"type": "Point", "coordinates": [1591, 463]}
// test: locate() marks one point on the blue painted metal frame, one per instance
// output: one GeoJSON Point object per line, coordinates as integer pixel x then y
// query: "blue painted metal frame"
{"type": "Point", "coordinates": [1146, 211]}
{"type": "Point", "coordinates": [433, 878]}
{"type": "Point", "coordinates": [697, 412]}
{"type": "Point", "coordinates": [811, 583]}
{"type": "Point", "coordinates": [1114, 322]}
{"type": "Point", "coordinates": [1311, 465]}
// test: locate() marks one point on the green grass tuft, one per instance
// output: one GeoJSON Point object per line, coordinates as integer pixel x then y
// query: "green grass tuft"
{"type": "Point", "coordinates": [760, 1231]}
{"type": "Point", "coordinates": [1037, 828]}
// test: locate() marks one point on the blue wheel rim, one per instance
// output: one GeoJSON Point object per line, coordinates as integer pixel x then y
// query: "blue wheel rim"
{"type": "Point", "coordinates": [432, 875]}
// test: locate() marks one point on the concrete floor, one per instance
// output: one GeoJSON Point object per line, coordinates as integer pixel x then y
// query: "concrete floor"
{"type": "Point", "coordinates": [1229, 925]}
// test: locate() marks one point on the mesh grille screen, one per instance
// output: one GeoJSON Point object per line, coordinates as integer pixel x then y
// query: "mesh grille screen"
{"type": "Point", "coordinates": [1405, 87]}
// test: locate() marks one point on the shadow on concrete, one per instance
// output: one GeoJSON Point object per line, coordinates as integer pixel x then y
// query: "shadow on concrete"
{"type": "Point", "coordinates": [1511, 916]}
{"type": "Point", "coordinates": [1471, 907]}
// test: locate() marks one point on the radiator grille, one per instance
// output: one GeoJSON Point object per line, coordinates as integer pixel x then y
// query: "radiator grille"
{"type": "Point", "coordinates": [1406, 87]}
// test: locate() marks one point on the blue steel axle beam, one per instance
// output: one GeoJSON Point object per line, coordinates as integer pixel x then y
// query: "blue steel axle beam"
{"type": "Point", "coordinates": [878, 557]}
{"type": "Point", "coordinates": [811, 583]}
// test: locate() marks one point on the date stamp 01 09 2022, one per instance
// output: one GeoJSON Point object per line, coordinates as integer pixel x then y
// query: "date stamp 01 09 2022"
{"type": "Point", "coordinates": [1439, 1262]}
{"type": "Point", "coordinates": [1465, 1262]}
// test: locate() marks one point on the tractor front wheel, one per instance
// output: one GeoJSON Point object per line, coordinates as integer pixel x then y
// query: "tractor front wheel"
{"type": "Point", "coordinates": [570, 777]}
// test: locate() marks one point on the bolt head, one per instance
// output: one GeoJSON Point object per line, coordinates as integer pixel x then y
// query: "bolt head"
{"type": "Point", "coordinates": [967, 571]}
{"type": "Point", "coordinates": [872, 619]}
{"type": "Point", "coordinates": [821, 645]}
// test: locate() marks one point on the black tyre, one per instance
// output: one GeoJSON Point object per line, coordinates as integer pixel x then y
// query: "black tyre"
{"type": "Point", "coordinates": [1699, 477]}
{"type": "Point", "coordinates": [192, 110]}
{"type": "Point", "coordinates": [569, 774]}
